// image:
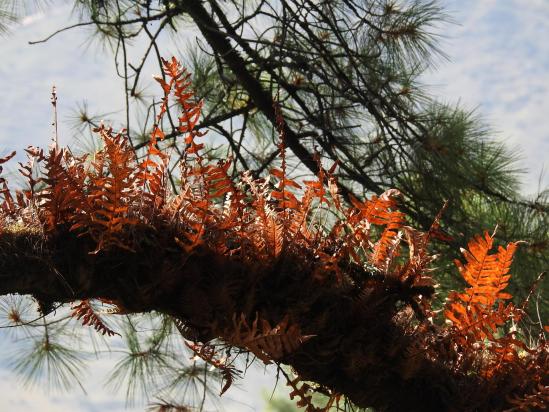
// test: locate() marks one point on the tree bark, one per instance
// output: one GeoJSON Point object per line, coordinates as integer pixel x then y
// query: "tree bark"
{"type": "Point", "coordinates": [361, 345]}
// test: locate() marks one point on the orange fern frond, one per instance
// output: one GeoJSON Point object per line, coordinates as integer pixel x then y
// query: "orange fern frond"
{"type": "Point", "coordinates": [284, 199]}
{"type": "Point", "coordinates": [7, 207]}
{"type": "Point", "coordinates": [385, 249]}
{"type": "Point", "coordinates": [8, 204]}
{"type": "Point", "coordinates": [302, 392]}
{"type": "Point", "coordinates": [111, 192]}
{"type": "Point", "coordinates": [298, 222]}
{"type": "Point", "coordinates": [6, 158]}
{"type": "Point", "coordinates": [217, 180]}
{"type": "Point", "coordinates": [4, 190]}
{"type": "Point", "coordinates": [267, 343]}
{"type": "Point", "coordinates": [180, 83]}
{"type": "Point", "coordinates": [63, 195]}
{"type": "Point", "coordinates": [89, 316]}
{"type": "Point", "coordinates": [380, 211]}
{"type": "Point", "coordinates": [537, 400]}
{"type": "Point", "coordinates": [487, 275]}
{"type": "Point", "coordinates": [151, 177]}
{"type": "Point", "coordinates": [34, 156]}
{"type": "Point", "coordinates": [208, 354]}
{"type": "Point", "coordinates": [415, 270]}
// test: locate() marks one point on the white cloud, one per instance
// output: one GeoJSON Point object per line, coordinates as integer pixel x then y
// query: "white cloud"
{"type": "Point", "coordinates": [500, 64]}
{"type": "Point", "coordinates": [28, 20]}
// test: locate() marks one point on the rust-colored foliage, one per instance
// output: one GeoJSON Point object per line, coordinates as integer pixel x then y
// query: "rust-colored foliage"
{"type": "Point", "coordinates": [85, 312]}
{"type": "Point", "coordinates": [538, 399]}
{"type": "Point", "coordinates": [267, 343]}
{"type": "Point", "coordinates": [209, 355]}
{"type": "Point", "coordinates": [351, 306]}
{"type": "Point", "coordinates": [304, 394]}
{"type": "Point", "coordinates": [472, 312]}
{"type": "Point", "coordinates": [164, 406]}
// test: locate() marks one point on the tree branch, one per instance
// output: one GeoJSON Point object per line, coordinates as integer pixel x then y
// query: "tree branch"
{"type": "Point", "coordinates": [205, 290]}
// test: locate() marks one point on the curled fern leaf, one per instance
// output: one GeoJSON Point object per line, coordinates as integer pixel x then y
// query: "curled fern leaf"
{"type": "Point", "coordinates": [89, 317]}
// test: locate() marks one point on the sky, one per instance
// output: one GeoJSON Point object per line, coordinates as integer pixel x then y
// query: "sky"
{"type": "Point", "coordinates": [498, 65]}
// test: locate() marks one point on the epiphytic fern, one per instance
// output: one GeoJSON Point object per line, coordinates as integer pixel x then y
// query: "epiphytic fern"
{"type": "Point", "coordinates": [537, 400]}
{"type": "Point", "coordinates": [7, 203]}
{"type": "Point", "coordinates": [304, 394]}
{"type": "Point", "coordinates": [264, 341]}
{"type": "Point", "coordinates": [89, 317]}
{"type": "Point", "coordinates": [209, 355]}
{"type": "Point", "coordinates": [220, 247]}
{"type": "Point", "coordinates": [487, 275]}
{"type": "Point", "coordinates": [63, 197]}
{"type": "Point", "coordinates": [381, 211]}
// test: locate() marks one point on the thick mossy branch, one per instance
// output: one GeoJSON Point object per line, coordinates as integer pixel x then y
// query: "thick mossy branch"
{"type": "Point", "coordinates": [367, 343]}
{"type": "Point", "coordinates": [358, 326]}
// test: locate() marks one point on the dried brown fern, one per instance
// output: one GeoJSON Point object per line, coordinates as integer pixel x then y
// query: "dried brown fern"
{"type": "Point", "coordinates": [89, 317]}
{"type": "Point", "coordinates": [351, 309]}
{"type": "Point", "coordinates": [537, 400]}
{"type": "Point", "coordinates": [209, 355]}
{"type": "Point", "coordinates": [167, 406]}
{"type": "Point", "coordinates": [270, 344]}
{"type": "Point", "coordinates": [304, 394]}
